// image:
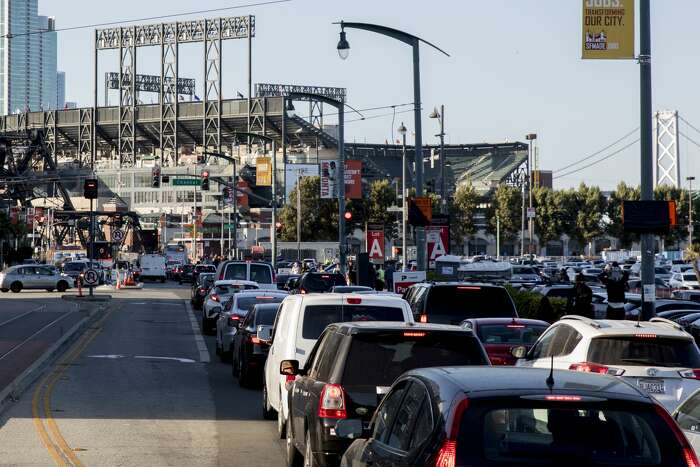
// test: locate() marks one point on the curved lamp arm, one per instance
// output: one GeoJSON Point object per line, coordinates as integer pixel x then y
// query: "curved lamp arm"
{"type": "Point", "coordinates": [404, 37]}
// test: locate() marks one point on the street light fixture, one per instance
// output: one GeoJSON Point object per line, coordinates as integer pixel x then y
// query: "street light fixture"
{"type": "Point", "coordinates": [414, 43]}
{"type": "Point", "coordinates": [443, 192]}
{"type": "Point", "coordinates": [690, 209]}
{"type": "Point", "coordinates": [404, 205]}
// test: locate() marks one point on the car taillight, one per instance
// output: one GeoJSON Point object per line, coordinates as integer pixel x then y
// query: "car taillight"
{"type": "Point", "coordinates": [255, 340]}
{"type": "Point", "coordinates": [588, 367]}
{"type": "Point", "coordinates": [423, 318]}
{"type": "Point", "coordinates": [354, 301]}
{"type": "Point", "coordinates": [215, 297]}
{"type": "Point", "coordinates": [202, 292]}
{"type": "Point", "coordinates": [332, 402]}
{"type": "Point", "coordinates": [302, 291]}
{"type": "Point", "coordinates": [233, 320]}
{"type": "Point", "coordinates": [447, 456]}
{"type": "Point", "coordinates": [690, 374]}
{"type": "Point", "coordinates": [496, 360]}
{"type": "Point", "coordinates": [691, 459]}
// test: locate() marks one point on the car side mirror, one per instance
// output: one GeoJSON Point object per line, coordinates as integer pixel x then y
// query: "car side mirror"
{"type": "Point", "coordinates": [519, 351]}
{"type": "Point", "coordinates": [264, 333]}
{"type": "Point", "coordinates": [350, 428]}
{"type": "Point", "coordinates": [289, 367]}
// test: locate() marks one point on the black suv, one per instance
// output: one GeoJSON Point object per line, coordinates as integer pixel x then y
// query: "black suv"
{"type": "Point", "coordinates": [349, 370]}
{"type": "Point", "coordinates": [453, 302]}
{"type": "Point", "coordinates": [506, 416]}
{"type": "Point", "coordinates": [314, 282]}
{"type": "Point", "coordinates": [200, 288]}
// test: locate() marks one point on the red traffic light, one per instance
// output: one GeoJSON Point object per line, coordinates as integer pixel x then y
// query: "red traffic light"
{"type": "Point", "coordinates": [205, 174]}
{"type": "Point", "coordinates": [347, 216]}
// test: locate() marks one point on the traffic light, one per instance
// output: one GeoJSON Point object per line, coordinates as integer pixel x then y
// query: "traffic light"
{"type": "Point", "coordinates": [430, 186]}
{"type": "Point", "coordinates": [348, 216]}
{"type": "Point", "coordinates": [90, 188]}
{"type": "Point", "coordinates": [205, 180]}
{"type": "Point", "coordinates": [155, 177]}
{"type": "Point", "coordinates": [395, 229]}
{"type": "Point", "coordinates": [278, 227]}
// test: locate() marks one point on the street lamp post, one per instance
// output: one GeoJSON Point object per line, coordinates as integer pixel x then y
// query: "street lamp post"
{"type": "Point", "coordinates": [530, 224]}
{"type": "Point", "coordinates": [443, 195]}
{"type": "Point", "coordinates": [414, 42]}
{"type": "Point", "coordinates": [690, 209]}
{"type": "Point", "coordinates": [402, 131]}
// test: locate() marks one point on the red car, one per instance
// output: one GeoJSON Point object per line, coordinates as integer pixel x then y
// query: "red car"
{"type": "Point", "coordinates": [500, 335]}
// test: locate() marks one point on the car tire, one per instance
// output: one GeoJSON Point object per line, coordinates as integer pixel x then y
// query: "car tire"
{"type": "Point", "coordinates": [268, 412]}
{"type": "Point", "coordinates": [206, 326]}
{"type": "Point", "coordinates": [235, 370]}
{"type": "Point", "coordinates": [244, 375]}
{"type": "Point", "coordinates": [162, 280]}
{"type": "Point", "coordinates": [16, 287]}
{"type": "Point", "coordinates": [4, 290]}
{"type": "Point", "coordinates": [50, 289]}
{"type": "Point", "coordinates": [308, 451]}
{"type": "Point", "coordinates": [282, 426]}
{"type": "Point", "coordinates": [62, 286]}
{"type": "Point", "coordinates": [294, 458]}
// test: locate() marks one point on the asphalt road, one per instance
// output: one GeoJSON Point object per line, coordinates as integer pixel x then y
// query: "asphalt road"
{"type": "Point", "coordinates": [138, 389]}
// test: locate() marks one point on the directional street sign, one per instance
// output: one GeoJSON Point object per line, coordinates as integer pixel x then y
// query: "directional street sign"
{"type": "Point", "coordinates": [186, 181]}
{"type": "Point", "coordinates": [91, 278]}
{"type": "Point", "coordinates": [117, 235]}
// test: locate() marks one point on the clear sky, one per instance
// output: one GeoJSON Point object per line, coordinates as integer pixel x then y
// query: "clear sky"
{"type": "Point", "coordinates": [515, 68]}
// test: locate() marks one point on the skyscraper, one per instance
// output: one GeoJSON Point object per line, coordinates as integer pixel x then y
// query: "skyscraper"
{"type": "Point", "coordinates": [60, 89]}
{"type": "Point", "coordinates": [28, 58]}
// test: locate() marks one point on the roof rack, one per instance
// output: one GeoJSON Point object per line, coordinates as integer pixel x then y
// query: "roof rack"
{"type": "Point", "coordinates": [583, 319]}
{"type": "Point", "coordinates": [667, 322]}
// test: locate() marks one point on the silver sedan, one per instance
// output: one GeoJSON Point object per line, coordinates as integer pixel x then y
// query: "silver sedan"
{"type": "Point", "coordinates": [17, 278]}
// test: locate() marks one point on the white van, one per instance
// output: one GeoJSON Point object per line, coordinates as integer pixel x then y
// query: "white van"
{"type": "Point", "coordinates": [259, 272]}
{"type": "Point", "coordinates": [152, 267]}
{"type": "Point", "coordinates": [299, 323]}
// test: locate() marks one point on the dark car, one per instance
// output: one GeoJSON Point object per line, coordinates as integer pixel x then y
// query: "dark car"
{"type": "Point", "coordinates": [186, 273]}
{"type": "Point", "coordinates": [500, 335]}
{"type": "Point", "coordinates": [314, 282]}
{"type": "Point", "coordinates": [556, 291]}
{"type": "Point", "coordinates": [351, 289]}
{"type": "Point", "coordinates": [251, 344]}
{"type": "Point", "coordinates": [200, 288]}
{"type": "Point", "coordinates": [282, 279]}
{"type": "Point", "coordinates": [506, 416]}
{"type": "Point", "coordinates": [665, 307]}
{"type": "Point", "coordinates": [350, 368]}
{"type": "Point", "coordinates": [453, 302]}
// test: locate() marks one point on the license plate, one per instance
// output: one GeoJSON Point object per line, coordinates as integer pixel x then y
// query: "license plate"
{"type": "Point", "coordinates": [652, 387]}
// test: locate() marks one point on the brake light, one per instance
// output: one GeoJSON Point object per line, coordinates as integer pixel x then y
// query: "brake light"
{"type": "Point", "coordinates": [354, 301]}
{"type": "Point", "coordinates": [563, 398]}
{"type": "Point", "coordinates": [233, 320]}
{"type": "Point", "coordinates": [690, 374]}
{"type": "Point", "coordinates": [202, 292]}
{"type": "Point", "coordinates": [264, 297]}
{"type": "Point", "coordinates": [325, 277]}
{"type": "Point", "coordinates": [691, 459]}
{"type": "Point", "coordinates": [587, 367]}
{"type": "Point", "coordinates": [423, 318]}
{"type": "Point", "coordinates": [255, 340]}
{"type": "Point", "coordinates": [515, 326]}
{"type": "Point", "coordinates": [302, 291]}
{"type": "Point", "coordinates": [447, 456]}
{"type": "Point", "coordinates": [332, 402]}
{"type": "Point", "coordinates": [468, 287]}
{"type": "Point", "coordinates": [414, 334]}
{"type": "Point", "coordinates": [215, 297]}
{"type": "Point", "coordinates": [645, 336]}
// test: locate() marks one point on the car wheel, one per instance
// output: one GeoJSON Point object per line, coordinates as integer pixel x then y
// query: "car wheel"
{"type": "Point", "coordinates": [268, 412]}
{"type": "Point", "coordinates": [62, 286]}
{"type": "Point", "coordinates": [308, 452]}
{"type": "Point", "coordinates": [282, 425]}
{"type": "Point", "coordinates": [4, 290]}
{"type": "Point", "coordinates": [293, 457]}
{"type": "Point", "coordinates": [206, 326]}
{"type": "Point", "coordinates": [235, 369]}
{"type": "Point", "coordinates": [16, 287]}
{"type": "Point", "coordinates": [49, 289]}
{"type": "Point", "coordinates": [244, 375]}
{"type": "Point", "coordinates": [162, 280]}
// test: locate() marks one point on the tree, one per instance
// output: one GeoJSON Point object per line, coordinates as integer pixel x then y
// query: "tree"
{"type": "Point", "coordinates": [380, 197]}
{"type": "Point", "coordinates": [590, 206]}
{"type": "Point", "coordinates": [669, 193]}
{"type": "Point", "coordinates": [319, 217]}
{"type": "Point", "coordinates": [506, 206]}
{"type": "Point", "coordinates": [462, 212]}
{"type": "Point", "coordinates": [613, 212]}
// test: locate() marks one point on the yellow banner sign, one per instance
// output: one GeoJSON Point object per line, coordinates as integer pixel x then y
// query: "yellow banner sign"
{"type": "Point", "coordinates": [263, 175]}
{"type": "Point", "coordinates": [608, 29]}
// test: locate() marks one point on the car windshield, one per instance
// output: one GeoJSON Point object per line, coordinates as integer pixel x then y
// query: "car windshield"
{"type": "Point", "coordinates": [247, 302]}
{"type": "Point", "coordinates": [316, 282]}
{"type": "Point", "coordinates": [538, 434]}
{"type": "Point", "coordinates": [511, 334]}
{"type": "Point", "coordinates": [74, 266]}
{"type": "Point", "coordinates": [236, 271]}
{"type": "Point", "coordinates": [317, 317]}
{"type": "Point", "coordinates": [453, 304]}
{"type": "Point", "coordinates": [260, 273]}
{"type": "Point", "coordinates": [644, 350]}
{"type": "Point", "coordinates": [377, 359]}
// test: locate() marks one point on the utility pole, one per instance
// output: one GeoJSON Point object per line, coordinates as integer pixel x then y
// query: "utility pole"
{"type": "Point", "coordinates": [530, 224]}
{"type": "Point", "coordinates": [299, 179]}
{"type": "Point", "coordinates": [690, 210]}
{"type": "Point", "coordinates": [404, 206]}
{"type": "Point", "coordinates": [647, 157]}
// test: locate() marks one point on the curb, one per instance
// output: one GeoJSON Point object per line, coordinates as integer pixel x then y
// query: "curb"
{"type": "Point", "coordinates": [14, 390]}
{"type": "Point", "coordinates": [86, 298]}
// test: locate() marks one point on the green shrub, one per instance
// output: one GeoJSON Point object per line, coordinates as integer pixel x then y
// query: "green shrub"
{"type": "Point", "coordinates": [531, 305]}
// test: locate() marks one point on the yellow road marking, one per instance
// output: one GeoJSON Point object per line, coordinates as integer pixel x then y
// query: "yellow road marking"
{"type": "Point", "coordinates": [57, 446]}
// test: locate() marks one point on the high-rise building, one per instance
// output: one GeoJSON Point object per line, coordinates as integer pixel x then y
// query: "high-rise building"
{"type": "Point", "coordinates": [60, 89]}
{"type": "Point", "coordinates": [28, 58]}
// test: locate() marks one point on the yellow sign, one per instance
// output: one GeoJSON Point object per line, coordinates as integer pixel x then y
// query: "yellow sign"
{"type": "Point", "coordinates": [608, 29]}
{"type": "Point", "coordinates": [263, 175]}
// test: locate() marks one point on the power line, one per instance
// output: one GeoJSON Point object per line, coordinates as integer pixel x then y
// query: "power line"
{"type": "Point", "coordinates": [614, 153]}
{"type": "Point", "coordinates": [599, 151]}
{"type": "Point", "coordinates": [368, 109]}
{"type": "Point", "coordinates": [688, 123]}
{"type": "Point", "coordinates": [148, 18]}
{"type": "Point", "coordinates": [689, 138]}
{"type": "Point", "coordinates": [371, 117]}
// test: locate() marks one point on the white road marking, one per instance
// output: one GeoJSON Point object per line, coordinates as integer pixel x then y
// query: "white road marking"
{"type": "Point", "coordinates": [107, 356]}
{"type": "Point", "coordinates": [181, 360]}
{"type": "Point", "coordinates": [201, 346]}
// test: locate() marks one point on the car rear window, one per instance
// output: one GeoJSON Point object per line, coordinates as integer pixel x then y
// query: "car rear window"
{"type": "Point", "coordinates": [260, 273]}
{"type": "Point", "coordinates": [236, 272]}
{"type": "Point", "coordinates": [232, 289]}
{"type": "Point", "coordinates": [644, 351]}
{"type": "Point", "coordinates": [74, 266]}
{"type": "Point", "coordinates": [453, 304]}
{"type": "Point", "coordinates": [207, 268]}
{"type": "Point", "coordinates": [509, 333]}
{"type": "Point", "coordinates": [543, 435]}
{"type": "Point", "coordinates": [317, 317]}
{"type": "Point", "coordinates": [266, 315]}
{"type": "Point", "coordinates": [246, 303]}
{"type": "Point", "coordinates": [689, 277]}
{"type": "Point", "coordinates": [314, 282]}
{"type": "Point", "coordinates": [377, 359]}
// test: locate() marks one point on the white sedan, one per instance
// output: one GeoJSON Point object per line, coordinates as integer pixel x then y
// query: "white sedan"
{"type": "Point", "coordinates": [684, 280]}
{"type": "Point", "coordinates": [217, 296]}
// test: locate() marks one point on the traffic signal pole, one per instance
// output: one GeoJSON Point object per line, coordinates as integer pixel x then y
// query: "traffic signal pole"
{"type": "Point", "coordinates": [92, 237]}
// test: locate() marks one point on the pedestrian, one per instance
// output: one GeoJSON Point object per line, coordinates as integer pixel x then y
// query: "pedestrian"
{"type": "Point", "coordinates": [389, 277]}
{"type": "Point", "coordinates": [615, 281]}
{"type": "Point", "coordinates": [352, 274]}
{"type": "Point", "coordinates": [583, 298]}
{"type": "Point", "coordinates": [380, 278]}
{"type": "Point", "coordinates": [563, 276]}
{"type": "Point", "coordinates": [371, 276]}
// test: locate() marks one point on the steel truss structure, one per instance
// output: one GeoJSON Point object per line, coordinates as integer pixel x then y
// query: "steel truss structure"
{"type": "Point", "coordinates": [150, 83]}
{"type": "Point", "coordinates": [210, 32]}
{"type": "Point", "coordinates": [667, 167]}
{"type": "Point", "coordinates": [315, 107]}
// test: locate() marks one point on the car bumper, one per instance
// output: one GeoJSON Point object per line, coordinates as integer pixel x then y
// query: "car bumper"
{"type": "Point", "coordinates": [329, 447]}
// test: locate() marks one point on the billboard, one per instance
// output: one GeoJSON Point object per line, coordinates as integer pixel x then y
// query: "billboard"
{"type": "Point", "coordinates": [263, 176]}
{"type": "Point", "coordinates": [608, 29]}
{"type": "Point", "coordinates": [353, 179]}
{"type": "Point", "coordinates": [437, 237]}
{"type": "Point", "coordinates": [292, 173]}
{"type": "Point", "coordinates": [375, 242]}
{"type": "Point", "coordinates": [329, 179]}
